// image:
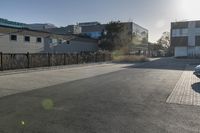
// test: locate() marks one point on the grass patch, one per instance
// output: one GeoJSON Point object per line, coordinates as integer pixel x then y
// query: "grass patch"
{"type": "Point", "coordinates": [130, 58]}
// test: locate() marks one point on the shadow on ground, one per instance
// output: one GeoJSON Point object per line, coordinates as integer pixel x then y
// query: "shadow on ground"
{"type": "Point", "coordinates": [196, 87]}
{"type": "Point", "coordinates": [168, 64]}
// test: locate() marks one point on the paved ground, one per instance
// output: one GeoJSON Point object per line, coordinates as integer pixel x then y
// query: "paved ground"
{"type": "Point", "coordinates": [130, 100]}
{"type": "Point", "coordinates": [13, 82]}
{"type": "Point", "coordinates": [187, 89]}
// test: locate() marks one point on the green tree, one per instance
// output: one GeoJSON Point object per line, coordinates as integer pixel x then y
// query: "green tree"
{"type": "Point", "coordinates": [164, 40]}
{"type": "Point", "coordinates": [110, 39]}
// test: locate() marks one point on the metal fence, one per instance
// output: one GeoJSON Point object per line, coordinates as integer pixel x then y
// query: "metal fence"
{"type": "Point", "coordinates": [10, 61]}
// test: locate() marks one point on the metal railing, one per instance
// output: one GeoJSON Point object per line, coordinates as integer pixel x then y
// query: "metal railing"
{"type": "Point", "coordinates": [10, 61]}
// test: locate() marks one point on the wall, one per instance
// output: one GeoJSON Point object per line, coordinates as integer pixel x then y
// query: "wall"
{"type": "Point", "coordinates": [180, 51]}
{"type": "Point", "coordinates": [186, 34]}
{"type": "Point", "coordinates": [20, 46]}
{"type": "Point", "coordinates": [74, 46]}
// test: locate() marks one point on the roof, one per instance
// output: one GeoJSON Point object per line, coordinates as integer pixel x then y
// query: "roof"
{"type": "Point", "coordinates": [185, 21]}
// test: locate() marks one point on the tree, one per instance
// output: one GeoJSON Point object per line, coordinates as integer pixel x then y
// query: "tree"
{"type": "Point", "coordinates": [163, 43]}
{"type": "Point", "coordinates": [111, 39]}
{"type": "Point", "coordinates": [164, 40]}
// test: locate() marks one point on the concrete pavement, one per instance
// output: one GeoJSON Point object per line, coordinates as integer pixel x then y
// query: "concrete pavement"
{"type": "Point", "coordinates": [132, 100]}
{"type": "Point", "coordinates": [14, 82]}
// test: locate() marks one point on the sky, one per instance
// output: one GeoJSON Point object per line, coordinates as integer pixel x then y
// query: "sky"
{"type": "Point", "coordinates": [154, 15]}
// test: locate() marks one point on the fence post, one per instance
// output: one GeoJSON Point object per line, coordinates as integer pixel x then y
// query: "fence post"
{"type": "Point", "coordinates": [64, 58]}
{"type": "Point", "coordinates": [95, 57]}
{"type": "Point", "coordinates": [104, 57]}
{"type": "Point", "coordinates": [68, 58]}
{"type": "Point", "coordinates": [48, 55]}
{"type": "Point", "coordinates": [28, 60]}
{"type": "Point", "coordinates": [77, 58]}
{"type": "Point", "coordinates": [1, 61]}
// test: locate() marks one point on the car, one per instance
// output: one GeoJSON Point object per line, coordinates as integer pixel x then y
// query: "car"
{"type": "Point", "coordinates": [197, 71]}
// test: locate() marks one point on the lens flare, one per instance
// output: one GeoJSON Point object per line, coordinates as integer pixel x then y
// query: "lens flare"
{"type": "Point", "coordinates": [47, 104]}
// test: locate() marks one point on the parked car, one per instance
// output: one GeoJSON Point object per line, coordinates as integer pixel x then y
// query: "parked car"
{"type": "Point", "coordinates": [197, 71]}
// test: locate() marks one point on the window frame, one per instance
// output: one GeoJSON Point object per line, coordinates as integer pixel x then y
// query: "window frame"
{"type": "Point", "coordinates": [11, 37]}
{"type": "Point", "coordinates": [38, 38]}
{"type": "Point", "coordinates": [68, 42]}
{"type": "Point", "coordinates": [29, 38]}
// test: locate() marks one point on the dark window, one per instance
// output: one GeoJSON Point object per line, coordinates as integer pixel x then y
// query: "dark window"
{"type": "Point", "coordinates": [179, 41]}
{"type": "Point", "coordinates": [68, 42]}
{"type": "Point", "coordinates": [27, 38]}
{"type": "Point", "coordinates": [179, 25]}
{"type": "Point", "coordinates": [197, 40]}
{"type": "Point", "coordinates": [197, 24]}
{"type": "Point", "coordinates": [59, 41]}
{"type": "Point", "coordinates": [39, 39]}
{"type": "Point", "coordinates": [13, 37]}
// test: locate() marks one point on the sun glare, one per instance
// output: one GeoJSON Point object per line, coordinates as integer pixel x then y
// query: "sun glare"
{"type": "Point", "coordinates": [189, 8]}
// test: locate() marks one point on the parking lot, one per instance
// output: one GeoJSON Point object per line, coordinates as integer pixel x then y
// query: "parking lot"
{"type": "Point", "coordinates": [112, 98]}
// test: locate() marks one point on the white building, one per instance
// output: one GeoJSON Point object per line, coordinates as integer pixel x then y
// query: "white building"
{"type": "Point", "coordinates": [23, 40]}
{"type": "Point", "coordinates": [185, 38]}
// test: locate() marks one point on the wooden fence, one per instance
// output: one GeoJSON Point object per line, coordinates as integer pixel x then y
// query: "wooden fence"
{"type": "Point", "coordinates": [10, 61]}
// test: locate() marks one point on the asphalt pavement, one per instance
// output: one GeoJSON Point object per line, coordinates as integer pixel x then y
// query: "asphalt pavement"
{"type": "Point", "coordinates": [128, 100]}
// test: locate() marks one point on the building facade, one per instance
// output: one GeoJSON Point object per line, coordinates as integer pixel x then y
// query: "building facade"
{"type": "Point", "coordinates": [40, 27]}
{"type": "Point", "coordinates": [5, 22]}
{"type": "Point", "coordinates": [185, 38]}
{"type": "Point", "coordinates": [92, 29]}
{"type": "Point", "coordinates": [130, 31]}
{"type": "Point", "coordinates": [135, 37]}
{"type": "Point", "coordinates": [23, 40]}
{"type": "Point", "coordinates": [70, 29]}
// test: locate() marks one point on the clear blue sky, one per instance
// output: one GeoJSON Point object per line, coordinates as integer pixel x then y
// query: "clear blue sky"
{"type": "Point", "coordinates": [155, 15]}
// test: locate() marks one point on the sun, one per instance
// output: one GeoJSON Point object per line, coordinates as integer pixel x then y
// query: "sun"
{"type": "Point", "coordinates": [189, 8]}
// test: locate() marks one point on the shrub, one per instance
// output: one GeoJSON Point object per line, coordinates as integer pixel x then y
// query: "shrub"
{"type": "Point", "coordinates": [130, 58]}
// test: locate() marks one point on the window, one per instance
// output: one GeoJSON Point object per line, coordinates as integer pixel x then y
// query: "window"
{"type": "Point", "coordinates": [39, 40]}
{"type": "Point", "coordinates": [59, 41]}
{"type": "Point", "coordinates": [179, 41]}
{"type": "Point", "coordinates": [197, 24]}
{"type": "Point", "coordinates": [13, 37]}
{"type": "Point", "coordinates": [68, 42]}
{"type": "Point", "coordinates": [27, 38]}
{"type": "Point", "coordinates": [197, 40]}
{"type": "Point", "coordinates": [179, 32]}
{"type": "Point", "coordinates": [179, 25]}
